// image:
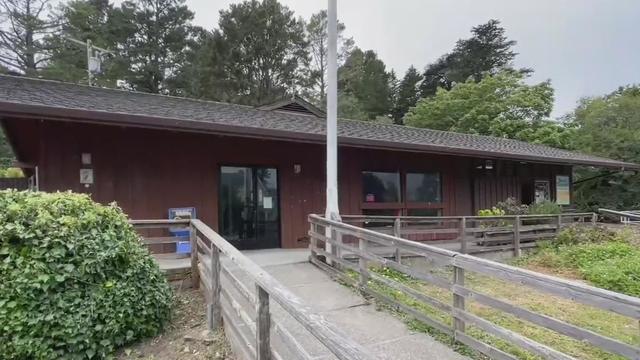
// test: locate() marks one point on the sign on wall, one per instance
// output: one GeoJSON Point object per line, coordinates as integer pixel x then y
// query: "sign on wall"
{"type": "Point", "coordinates": [563, 190]}
{"type": "Point", "coordinates": [184, 246]}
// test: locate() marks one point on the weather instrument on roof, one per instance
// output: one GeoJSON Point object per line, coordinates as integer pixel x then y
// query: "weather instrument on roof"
{"type": "Point", "coordinates": [94, 57]}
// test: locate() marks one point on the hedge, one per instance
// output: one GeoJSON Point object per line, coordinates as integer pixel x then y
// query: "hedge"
{"type": "Point", "coordinates": [75, 281]}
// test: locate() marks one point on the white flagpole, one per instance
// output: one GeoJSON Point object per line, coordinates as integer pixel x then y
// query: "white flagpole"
{"type": "Point", "coordinates": [332, 212]}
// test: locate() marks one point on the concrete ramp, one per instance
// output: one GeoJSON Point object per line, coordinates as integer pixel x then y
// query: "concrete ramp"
{"type": "Point", "coordinates": [385, 335]}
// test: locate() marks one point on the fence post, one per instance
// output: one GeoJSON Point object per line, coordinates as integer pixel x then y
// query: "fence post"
{"type": "Point", "coordinates": [516, 236]}
{"type": "Point", "coordinates": [214, 309]}
{"type": "Point", "coordinates": [594, 219]}
{"type": "Point", "coordinates": [263, 325]}
{"type": "Point", "coordinates": [331, 234]}
{"type": "Point", "coordinates": [195, 271]}
{"type": "Point", "coordinates": [558, 224]}
{"type": "Point", "coordinates": [313, 242]}
{"type": "Point", "coordinates": [362, 262]}
{"type": "Point", "coordinates": [463, 235]}
{"type": "Point", "coordinates": [458, 301]}
{"type": "Point", "coordinates": [397, 232]}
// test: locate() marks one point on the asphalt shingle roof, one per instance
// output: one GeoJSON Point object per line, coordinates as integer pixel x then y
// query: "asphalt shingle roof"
{"type": "Point", "coordinates": [56, 99]}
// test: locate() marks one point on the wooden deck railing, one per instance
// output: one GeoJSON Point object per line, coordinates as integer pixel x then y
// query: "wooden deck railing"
{"type": "Point", "coordinates": [473, 234]}
{"type": "Point", "coordinates": [241, 296]}
{"type": "Point", "coordinates": [362, 243]}
{"type": "Point", "coordinates": [627, 217]}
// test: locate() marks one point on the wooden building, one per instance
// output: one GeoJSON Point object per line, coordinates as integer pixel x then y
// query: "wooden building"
{"type": "Point", "coordinates": [254, 174]}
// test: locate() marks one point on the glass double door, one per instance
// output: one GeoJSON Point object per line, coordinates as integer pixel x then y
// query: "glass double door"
{"type": "Point", "coordinates": [249, 215]}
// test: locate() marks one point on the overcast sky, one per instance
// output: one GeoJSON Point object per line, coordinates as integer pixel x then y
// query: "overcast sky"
{"type": "Point", "coordinates": [586, 47]}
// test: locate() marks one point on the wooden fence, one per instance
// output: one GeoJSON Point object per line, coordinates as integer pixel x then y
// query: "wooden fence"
{"type": "Point", "coordinates": [361, 242]}
{"type": "Point", "coordinates": [242, 296]}
{"type": "Point", "coordinates": [626, 217]}
{"type": "Point", "coordinates": [474, 234]}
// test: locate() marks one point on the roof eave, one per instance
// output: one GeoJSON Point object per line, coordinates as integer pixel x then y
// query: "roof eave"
{"type": "Point", "coordinates": [126, 119]}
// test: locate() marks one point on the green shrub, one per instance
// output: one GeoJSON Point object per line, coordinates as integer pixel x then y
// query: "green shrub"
{"type": "Point", "coordinates": [604, 257]}
{"type": "Point", "coordinates": [579, 234]}
{"type": "Point", "coordinates": [585, 256]}
{"type": "Point", "coordinates": [620, 274]}
{"type": "Point", "coordinates": [75, 281]}
{"type": "Point", "coordinates": [494, 211]}
{"type": "Point", "coordinates": [545, 208]}
{"type": "Point", "coordinates": [11, 173]}
{"type": "Point", "coordinates": [511, 206]}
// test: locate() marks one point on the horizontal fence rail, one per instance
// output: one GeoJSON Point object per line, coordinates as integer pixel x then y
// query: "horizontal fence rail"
{"type": "Point", "coordinates": [345, 249]}
{"type": "Point", "coordinates": [474, 234]}
{"type": "Point", "coordinates": [628, 217]}
{"type": "Point", "coordinates": [241, 296]}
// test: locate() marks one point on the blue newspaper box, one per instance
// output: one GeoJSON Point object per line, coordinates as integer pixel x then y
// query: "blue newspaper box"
{"type": "Point", "coordinates": [183, 245]}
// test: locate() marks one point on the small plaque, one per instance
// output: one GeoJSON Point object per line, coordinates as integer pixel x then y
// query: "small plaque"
{"type": "Point", "coordinates": [86, 176]}
{"type": "Point", "coordinates": [86, 158]}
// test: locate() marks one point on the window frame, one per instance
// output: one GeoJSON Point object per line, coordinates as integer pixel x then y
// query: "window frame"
{"type": "Point", "coordinates": [382, 205]}
{"type": "Point", "coordinates": [404, 205]}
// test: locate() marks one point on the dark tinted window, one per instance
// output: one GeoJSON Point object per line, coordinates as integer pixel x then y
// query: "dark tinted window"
{"type": "Point", "coordinates": [380, 187]}
{"type": "Point", "coordinates": [423, 187]}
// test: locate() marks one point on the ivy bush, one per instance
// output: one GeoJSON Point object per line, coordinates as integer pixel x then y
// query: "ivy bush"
{"type": "Point", "coordinates": [75, 283]}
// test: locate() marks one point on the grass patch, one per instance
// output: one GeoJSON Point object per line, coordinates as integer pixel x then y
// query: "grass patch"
{"type": "Point", "coordinates": [603, 322]}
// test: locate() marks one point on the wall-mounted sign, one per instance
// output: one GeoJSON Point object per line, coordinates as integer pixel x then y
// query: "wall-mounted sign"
{"type": "Point", "coordinates": [86, 176]}
{"type": "Point", "coordinates": [542, 191]}
{"type": "Point", "coordinates": [183, 246]}
{"type": "Point", "coordinates": [85, 158]}
{"type": "Point", "coordinates": [563, 190]}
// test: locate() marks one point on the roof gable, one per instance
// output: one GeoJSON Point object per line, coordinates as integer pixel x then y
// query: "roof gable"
{"type": "Point", "coordinates": [296, 105]}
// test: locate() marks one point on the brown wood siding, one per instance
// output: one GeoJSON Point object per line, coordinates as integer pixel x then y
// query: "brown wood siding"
{"type": "Point", "coordinates": [148, 171]}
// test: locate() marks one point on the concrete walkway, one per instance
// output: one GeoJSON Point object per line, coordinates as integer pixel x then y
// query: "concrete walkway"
{"type": "Point", "coordinates": [385, 335]}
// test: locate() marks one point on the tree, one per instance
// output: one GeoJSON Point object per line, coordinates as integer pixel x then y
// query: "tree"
{"type": "Point", "coordinates": [257, 55]}
{"type": "Point", "coordinates": [499, 105]}
{"type": "Point", "coordinates": [94, 20]}
{"type": "Point", "coordinates": [487, 51]}
{"type": "Point", "coordinates": [316, 31]}
{"type": "Point", "coordinates": [608, 126]}
{"type": "Point", "coordinates": [364, 77]}
{"type": "Point", "coordinates": [23, 25]}
{"type": "Point", "coordinates": [407, 94]}
{"type": "Point", "coordinates": [157, 48]}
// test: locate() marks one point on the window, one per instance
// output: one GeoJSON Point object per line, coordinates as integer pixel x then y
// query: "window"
{"type": "Point", "coordinates": [380, 187]}
{"type": "Point", "coordinates": [423, 187]}
{"type": "Point", "coordinates": [401, 193]}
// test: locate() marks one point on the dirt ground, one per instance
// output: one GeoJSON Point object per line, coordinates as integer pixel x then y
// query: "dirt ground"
{"type": "Point", "coordinates": [186, 337]}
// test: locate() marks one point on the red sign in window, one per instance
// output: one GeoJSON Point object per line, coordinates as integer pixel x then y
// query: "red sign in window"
{"type": "Point", "coordinates": [370, 198]}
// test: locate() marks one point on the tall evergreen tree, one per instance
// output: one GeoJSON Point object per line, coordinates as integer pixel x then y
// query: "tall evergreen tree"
{"type": "Point", "coordinates": [488, 50]}
{"type": "Point", "coordinates": [257, 55]}
{"type": "Point", "coordinates": [24, 24]}
{"type": "Point", "coordinates": [364, 77]}
{"type": "Point", "coordinates": [316, 31]}
{"type": "Point", "coordinates": [102, 24]}
{"type": "Point", "coordinates": [407, 94]}
{"type": "Point", "coordinates": [157, 48]}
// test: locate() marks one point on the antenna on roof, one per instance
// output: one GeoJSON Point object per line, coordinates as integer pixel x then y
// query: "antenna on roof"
{"type": "Point", "coordinates": [94, 56]}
